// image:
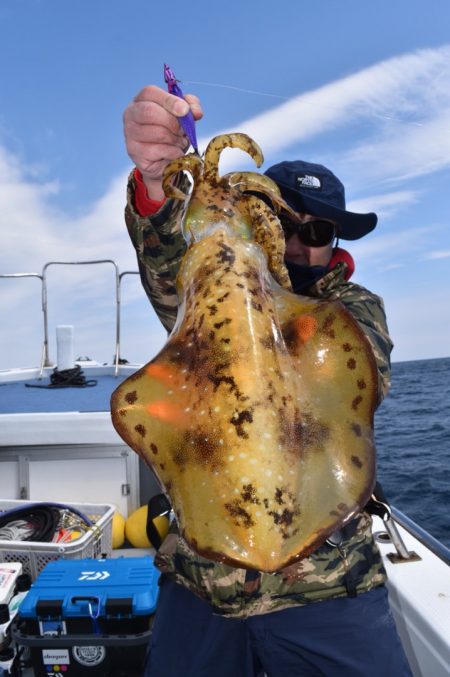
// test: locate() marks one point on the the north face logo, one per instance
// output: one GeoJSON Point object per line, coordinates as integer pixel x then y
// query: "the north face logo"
{"type": "Point", "coordinates": [309, 181]}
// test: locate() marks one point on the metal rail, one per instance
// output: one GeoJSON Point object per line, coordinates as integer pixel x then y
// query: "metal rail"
{"type": "Point", "coordinates": [16, 275]}
{"type": "Point", "coordinates": [45, 357]}
{"type": "Point", "coordinates": [128, 272]}
{"type": "Point", "coordinates": [436, 547]}
{"type": "Point", "coordinates": [122, 275]}
{"type": "Point", "coordinates": [45, 305]}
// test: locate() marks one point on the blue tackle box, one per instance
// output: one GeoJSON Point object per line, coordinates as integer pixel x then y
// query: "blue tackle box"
{"type": "Point", "coordinates": [89, 617]}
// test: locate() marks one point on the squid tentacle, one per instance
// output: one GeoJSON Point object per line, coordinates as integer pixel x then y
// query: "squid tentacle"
{"type": "Point", "coordinates": [259, 183]}
{"type": "Point", "coordinates": [265, 228]}
{"type": "Point", "coordinates": [190, 163]}
{"type": "Point", "coordinates": [218, 144]}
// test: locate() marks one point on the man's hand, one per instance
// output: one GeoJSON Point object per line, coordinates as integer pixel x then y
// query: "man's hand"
{"type": "Point", "coordinates": [153, 135]}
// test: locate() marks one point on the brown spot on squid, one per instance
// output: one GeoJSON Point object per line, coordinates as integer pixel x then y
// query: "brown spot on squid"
{"type": "Point", "coordinates": [241, 516]}
{"type": "Point", "coordinates": [140, 429]}
{"type": "Point", "coordinates": [356, 402]}
{"type": "Point", "coordinates": [356, 461]}
{"type": "Point", "coordinates": [357, 429]}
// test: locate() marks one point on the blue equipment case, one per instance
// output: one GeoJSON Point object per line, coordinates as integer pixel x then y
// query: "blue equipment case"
{"type": "Point", "coordinates": [89, 617]}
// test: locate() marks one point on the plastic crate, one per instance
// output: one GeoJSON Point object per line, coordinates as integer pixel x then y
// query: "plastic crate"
{"type": "Point", "coordinates": [34, 555]}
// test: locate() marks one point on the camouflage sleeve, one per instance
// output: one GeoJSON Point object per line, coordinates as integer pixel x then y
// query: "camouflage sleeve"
{"type": "Point", "coordinates": [368, 310]}
{"type": "Point", "coordinates": [159, 246]}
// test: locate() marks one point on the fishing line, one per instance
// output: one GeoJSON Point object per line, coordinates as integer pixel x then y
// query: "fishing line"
{"type": "Point", "coordinates": [390, 118]}
{"type": "Point", "coordinates": [238, 89]}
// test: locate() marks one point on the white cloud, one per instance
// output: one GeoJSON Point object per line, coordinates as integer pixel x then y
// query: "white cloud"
{"type": "Point", "coordinates": [404, 152]}
{"type": "Point", "coordinates": [411, 84]}
{"type": "Point", "coordinates": [444, 254]}
{"type": "Point", "coordinates": [392, 243]}
{"type": "Point", "coordinates": [406, 97]}
{"type": "Point", "coordinates": [385, 205]}
{"type": "Point", "coordinates": [391, 266]}
{"type": "Point", "coordinates": [33, 233]}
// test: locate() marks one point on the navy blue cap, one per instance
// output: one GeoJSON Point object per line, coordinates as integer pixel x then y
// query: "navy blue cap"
{"type": "Point", "coordinates": [313, 189]}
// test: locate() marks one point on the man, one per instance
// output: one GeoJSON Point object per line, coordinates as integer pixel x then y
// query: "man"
{"type": "Point", "coordinates": [327, 614]}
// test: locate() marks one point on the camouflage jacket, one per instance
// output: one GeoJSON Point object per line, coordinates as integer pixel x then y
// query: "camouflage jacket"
{"type": "Point", "coordinates": [331, 571]}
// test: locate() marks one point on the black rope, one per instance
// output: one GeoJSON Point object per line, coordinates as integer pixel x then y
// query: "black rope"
{"type": "Point", "coordinates": [67, 378]}
{"type": "Point", "coordinates": [43, 520]}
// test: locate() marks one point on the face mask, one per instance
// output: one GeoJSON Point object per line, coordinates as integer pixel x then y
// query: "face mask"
{"type": "Point", "coordinates": [302, 276]}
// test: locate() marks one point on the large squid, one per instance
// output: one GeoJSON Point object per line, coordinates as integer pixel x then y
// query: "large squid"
{"type": "Point", "coordinates": [257, 415]}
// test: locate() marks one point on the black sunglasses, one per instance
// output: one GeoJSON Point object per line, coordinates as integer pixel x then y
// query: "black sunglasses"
{"type": "Point", "coordinates": [315, 233]}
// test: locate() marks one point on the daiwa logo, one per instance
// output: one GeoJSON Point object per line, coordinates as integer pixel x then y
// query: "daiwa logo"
{"type": "Point", "coordinates": [94, 575]}
{"type": "Point", "coordinates": [309, 181]}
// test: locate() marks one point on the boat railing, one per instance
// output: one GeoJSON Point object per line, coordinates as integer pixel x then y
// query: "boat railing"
{"type": "Point", "coordinates": [6, 276]}
{"type": "Point", "coordinates": [118, 277]}
{"type": "Point", "coordinates": [45, 304]}
{"type": "Point", "coordinates": [438, 548]}
{"type": "Point", "coordinates": [121, 276]}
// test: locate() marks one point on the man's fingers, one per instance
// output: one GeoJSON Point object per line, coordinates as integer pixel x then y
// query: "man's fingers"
{"type": "Point", "coordinates": [153, 134]}
{"type": "Point", "coordinates": [152, 128]}
{"type": "Point", "coordinates": [171, 103]}
{"type": "Point", "coordinates": [194, 103]}
{"type": "Point", "coordinates": [151, 113]}
{"type": "Point", "coordinates": [146, 155]}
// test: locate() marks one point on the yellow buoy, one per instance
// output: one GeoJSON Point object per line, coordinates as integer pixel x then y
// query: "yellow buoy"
{"type": "Point", "coordinates": [135, 527]}
{"type": "Point", "coordinates": [118, 530]}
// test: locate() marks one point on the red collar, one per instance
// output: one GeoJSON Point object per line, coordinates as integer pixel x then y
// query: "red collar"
{"type": "Point", "coordinates": [342, 256]}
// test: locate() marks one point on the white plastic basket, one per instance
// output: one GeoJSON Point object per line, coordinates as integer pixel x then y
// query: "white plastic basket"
{"type": "Point", "coordinates": [34, 555]}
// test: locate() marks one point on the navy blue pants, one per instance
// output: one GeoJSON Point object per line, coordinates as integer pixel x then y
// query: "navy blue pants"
{"type": "Point", "coordinates": [345, 637]}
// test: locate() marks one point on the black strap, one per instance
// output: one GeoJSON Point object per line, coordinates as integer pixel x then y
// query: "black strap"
{"type": "Point", "coordinates": [378, 503]}
{"type": "Point", "coordinates": [158, 505]}
{"type": "Point", "coordinates": [351, 583]}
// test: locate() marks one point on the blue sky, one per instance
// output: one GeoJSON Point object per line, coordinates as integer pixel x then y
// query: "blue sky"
{"type": "Point", "coordinates": [361, 87]}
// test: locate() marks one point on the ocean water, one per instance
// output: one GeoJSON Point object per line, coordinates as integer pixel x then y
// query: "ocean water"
{"type": "Point", "coordinates": [412, 432]}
